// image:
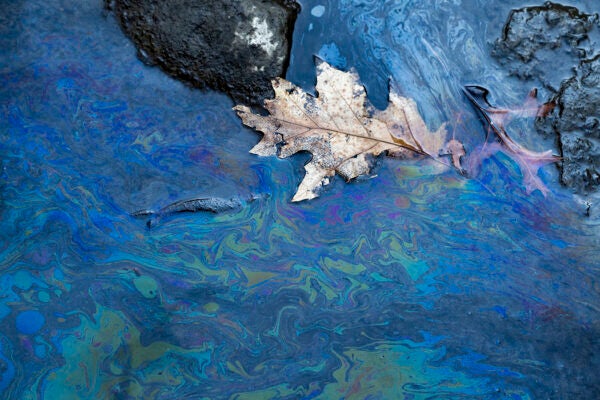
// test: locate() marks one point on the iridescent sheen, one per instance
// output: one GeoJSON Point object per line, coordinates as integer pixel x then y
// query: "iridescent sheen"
{"type": "Point", "coordinates": [416, 284]}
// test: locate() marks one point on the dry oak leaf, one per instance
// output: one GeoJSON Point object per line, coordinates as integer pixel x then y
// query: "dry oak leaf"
{"type": "Point", "coordinates": [341, 130]}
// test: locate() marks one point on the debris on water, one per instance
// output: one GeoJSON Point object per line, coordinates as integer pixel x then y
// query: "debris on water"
{"type": "Point", "coordinates": [199, 204]}
{"type": "Point", "coordinates": [528, 161]}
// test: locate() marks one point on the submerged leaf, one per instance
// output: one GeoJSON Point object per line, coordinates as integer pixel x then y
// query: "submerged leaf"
{"type": "Point", "coordinates": [457, 151]}
{"type": "Point", "coordinates": [529, 161]}
{"type": "Point", "coordinates": [341, 130]}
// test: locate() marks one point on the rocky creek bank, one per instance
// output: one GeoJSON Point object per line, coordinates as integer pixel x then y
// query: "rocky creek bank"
{"type": "Point", "coordinates": [228, 45]}
{"type": "Point", "coordinates": [556, 45]}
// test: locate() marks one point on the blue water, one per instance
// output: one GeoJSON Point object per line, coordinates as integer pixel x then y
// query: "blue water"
{"type": "Point", "coordinates": [410, 285]}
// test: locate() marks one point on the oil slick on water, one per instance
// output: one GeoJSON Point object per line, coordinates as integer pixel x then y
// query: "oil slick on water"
{"type": "Point", "coordinates": [413, 285]}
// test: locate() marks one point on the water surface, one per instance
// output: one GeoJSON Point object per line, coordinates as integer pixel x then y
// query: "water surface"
{"type": "Point", "coordinates": [414, 284]}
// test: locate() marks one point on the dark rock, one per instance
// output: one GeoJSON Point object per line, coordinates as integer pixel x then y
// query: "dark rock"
{"type": "Point", "coordinates": [228, 45]}
{"type": "Point", "coordinates": [545, 42]}
{"type": "Point", "coordinates": [576, 122]}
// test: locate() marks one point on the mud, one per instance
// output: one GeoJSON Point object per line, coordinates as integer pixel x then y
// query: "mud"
{"type": "Point", "coordinates": [575, 122]}
{"type": "Point", "coordinates": [545, 42]}
{"type": "Point", "coordinates": [555, 46]}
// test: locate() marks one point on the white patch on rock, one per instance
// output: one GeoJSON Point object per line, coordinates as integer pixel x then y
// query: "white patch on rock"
{"type": "Point", "coordinates": [261, 35]}
{"type": "Point", "coordinates": [254, 68]}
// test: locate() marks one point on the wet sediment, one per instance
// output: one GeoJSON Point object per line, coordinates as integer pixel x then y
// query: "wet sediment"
{"type": "Point", "coordinates": [554, 45]}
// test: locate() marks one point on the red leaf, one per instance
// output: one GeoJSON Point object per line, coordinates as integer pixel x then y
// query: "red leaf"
{"type": "Point", "coordinates": [528, 161]}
